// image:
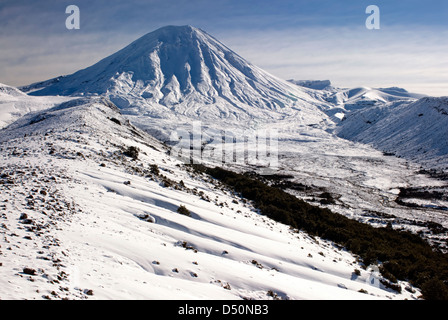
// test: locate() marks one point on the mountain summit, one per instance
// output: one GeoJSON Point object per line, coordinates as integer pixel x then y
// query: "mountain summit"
{"type": "Point", "coordinates": [180, 70]}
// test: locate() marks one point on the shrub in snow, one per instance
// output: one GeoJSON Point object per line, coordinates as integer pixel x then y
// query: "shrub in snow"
{"type": "Point", "coordinates": [146, 217]}
{"type": "Point", "coordinates": [434, 289]}
{"type": "Point", "coordinates": [115, 120]}
{"type": "Point", "coordinates": [155, 169]}
{"type": "Point", "coordinates": [132, 152]}
{"type": "Point", "coordinates": [183, 210]}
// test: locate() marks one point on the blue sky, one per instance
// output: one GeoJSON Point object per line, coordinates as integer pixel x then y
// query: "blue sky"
{"type": "Point", "coordinates": [300, 39]}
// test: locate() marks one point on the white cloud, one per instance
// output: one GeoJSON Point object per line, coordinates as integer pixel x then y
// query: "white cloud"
{"type": "Point", "coordinates": [27, 59]}
{"type": "Point", "coordinates": [415, 59]}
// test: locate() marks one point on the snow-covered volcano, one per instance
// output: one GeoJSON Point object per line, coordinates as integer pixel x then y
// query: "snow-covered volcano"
{"type": "Point", "coordinates": [182, 71]}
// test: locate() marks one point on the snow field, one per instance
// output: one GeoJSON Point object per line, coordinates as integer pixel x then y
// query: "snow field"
{"type": "Point", "coordinates": [125, 239]}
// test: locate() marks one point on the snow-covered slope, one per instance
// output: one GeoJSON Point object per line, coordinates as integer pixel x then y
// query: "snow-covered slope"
{"type": "Point", "coordinates": [14, 104]}
{"type": "Point", "coordinates": [392, 120]}
{"type": "Point", "coordinates": [343, 101]}
{"type": "Point", "coordinates": [84, 215]}
{"type": "Point", "coordinates": [182, 71]}
{"type": "Point", "coordinates": [313, 84]}
{"type": "Point", "coordinates": [417, 131]}
{"type": "Point", "coordinates": [358, 98]}
{"type": "Point", "coordinates": [6, 90]}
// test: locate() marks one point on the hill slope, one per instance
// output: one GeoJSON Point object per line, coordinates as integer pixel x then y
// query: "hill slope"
{"type": "Point", "coordinates": [416, 131]}
{"type": "Point", "coordinates": [14, 104]}
{"type": "Point", "coordinates": [90, 210]}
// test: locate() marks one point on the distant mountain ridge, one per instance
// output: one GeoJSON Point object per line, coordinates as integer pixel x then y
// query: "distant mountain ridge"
{"type": "Point", "coordinates": [313, 84]}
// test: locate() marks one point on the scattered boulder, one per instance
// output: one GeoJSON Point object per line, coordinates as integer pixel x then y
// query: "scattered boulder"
{"type": "Point", "coordinates": [29, 271]}
{"type": "Point", "coordinates": [27, 221]}
{"type": "Point", "coordinates": [88, 292]}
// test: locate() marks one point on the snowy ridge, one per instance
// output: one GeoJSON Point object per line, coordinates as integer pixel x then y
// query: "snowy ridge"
{"type": "Point", "coordinates": [346, 101]}
{"type": "Point", "coordinates": [343, 101]}
{"type": "Point", "coordinates": [356, 98]}
{"type": "Point", "coordinates": [14, 104]}
{"type": "Point", "coordinates": [6, 90]}
{"type": "Point", "coordinates": [313, 84]}
{"type": "Point", "coordinates": [82, 217]}
{"type": "Point", "coordinates": [417, 131]}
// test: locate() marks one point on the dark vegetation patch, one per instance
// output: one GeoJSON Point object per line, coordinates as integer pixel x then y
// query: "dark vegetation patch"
{"type": "Point", "coordinates": [423, 193]}
{"type": "Point", "coordinates": [282, 181]}
{"type": "Point", "coordinates": [437, 174]}
{"type": "Point", "coordinates": [381, 217]}
{"type": "Point", "coordinates": [426, 193]}
{"type": "Point", "coordinates": [183, 210]}
{"type": "Point", "coordinates": [115, 120]}
{"type": "Point", "coordinates": [402, 254]}
{"type": "Point", "coordinates": [132, 152]}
